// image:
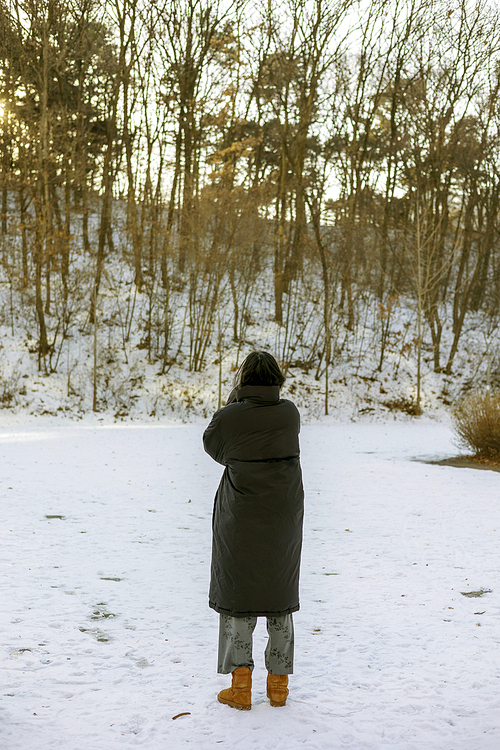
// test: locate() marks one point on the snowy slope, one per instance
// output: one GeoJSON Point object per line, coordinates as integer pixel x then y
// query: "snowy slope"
{"type": "Point", "coordinates": [105, 548]}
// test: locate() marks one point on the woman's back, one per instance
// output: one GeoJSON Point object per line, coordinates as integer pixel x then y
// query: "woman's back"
{"type": "Point", "coordinates": [258, 510]}
{"type": "Point", "coordinates": [258, 427]}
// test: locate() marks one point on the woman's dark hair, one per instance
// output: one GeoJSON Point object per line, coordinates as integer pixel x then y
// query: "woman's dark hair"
{"type": "Point", "coordinates": [259, 368]}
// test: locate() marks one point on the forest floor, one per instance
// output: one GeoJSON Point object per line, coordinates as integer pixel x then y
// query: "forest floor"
{"type": "Point", "coordinates": [131, 385]}
{"type": "Point", "coordinates": [107, 636]}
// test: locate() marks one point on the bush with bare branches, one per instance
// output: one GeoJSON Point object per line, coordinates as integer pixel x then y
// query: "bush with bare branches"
{"type": "Point", "coordinates": [477, 423]}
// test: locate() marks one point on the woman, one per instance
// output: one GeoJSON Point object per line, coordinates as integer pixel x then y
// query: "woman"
{"type": "Point", "coordinates": [257, 527]}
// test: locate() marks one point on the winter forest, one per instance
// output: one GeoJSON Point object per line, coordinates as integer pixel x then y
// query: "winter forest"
{"type": "Point", "coordinates": [184, 182]}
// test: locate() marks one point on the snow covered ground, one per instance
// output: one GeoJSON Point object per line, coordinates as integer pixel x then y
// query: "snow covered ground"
{"type": "Point", "coordinates": [106, 632]}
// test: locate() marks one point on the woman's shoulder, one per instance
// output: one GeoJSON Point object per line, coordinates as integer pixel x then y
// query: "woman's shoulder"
{"type": "Point", "coordinates": [290, 404]}
{"type": "Point", "coordinates": [290, 410]}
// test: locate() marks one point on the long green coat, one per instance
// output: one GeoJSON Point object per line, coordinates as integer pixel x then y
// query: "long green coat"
{"type": "Point", "coordinates": [259, 505]}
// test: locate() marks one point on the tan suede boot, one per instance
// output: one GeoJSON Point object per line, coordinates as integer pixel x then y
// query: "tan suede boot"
{"type": "Point", "coordinates": [277, 690]}
{"type": "Point", "coordinates": [239, 695]}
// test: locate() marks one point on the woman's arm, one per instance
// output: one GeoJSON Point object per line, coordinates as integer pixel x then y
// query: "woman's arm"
{"type": "Point", "coordinates": [213, 441]}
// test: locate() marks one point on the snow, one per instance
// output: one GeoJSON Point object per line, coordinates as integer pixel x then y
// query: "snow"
{"type": "Point", "coordinates": [107, 635]}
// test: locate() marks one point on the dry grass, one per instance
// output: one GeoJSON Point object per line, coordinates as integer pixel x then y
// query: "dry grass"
{"type": "Point", "coordinates": [406, 405]}
{"type": "Point", "coordinates": [477, 424]}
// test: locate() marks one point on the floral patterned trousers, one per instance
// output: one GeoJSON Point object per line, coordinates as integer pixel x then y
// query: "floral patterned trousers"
{"type": "Point", "coordinates": [235, 644]}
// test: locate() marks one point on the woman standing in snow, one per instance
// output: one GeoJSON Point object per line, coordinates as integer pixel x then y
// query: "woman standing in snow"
{"type": "Point", "coordinates": [257, 527]}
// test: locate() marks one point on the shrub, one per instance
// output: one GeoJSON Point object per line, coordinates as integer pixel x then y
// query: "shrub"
{"type": "Point", "coordinates": [477, 423]}
{"type": "Point", "coordinates": [9, 387]}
